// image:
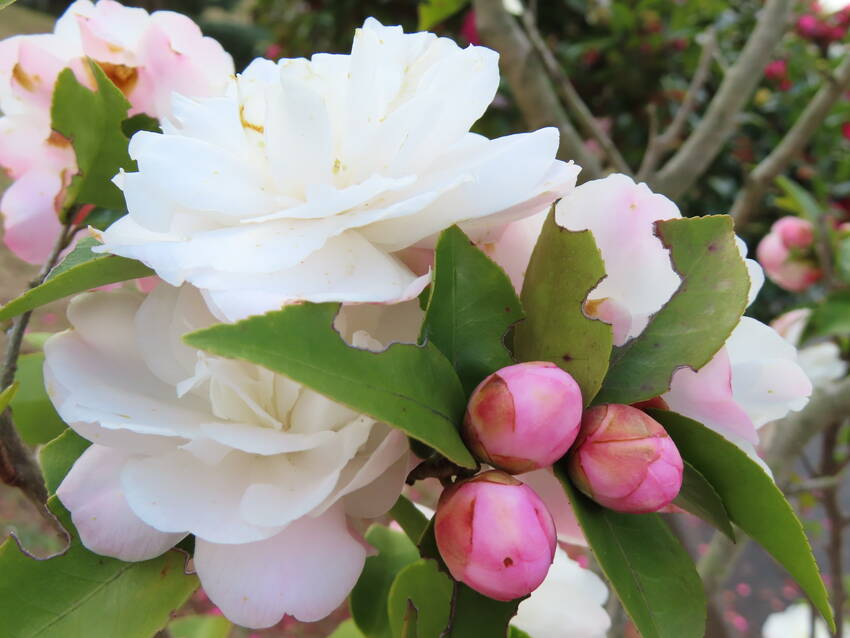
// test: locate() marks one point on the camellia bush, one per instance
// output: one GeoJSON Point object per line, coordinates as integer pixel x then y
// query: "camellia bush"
{"type": "Point", "coordinates": [328, 346]}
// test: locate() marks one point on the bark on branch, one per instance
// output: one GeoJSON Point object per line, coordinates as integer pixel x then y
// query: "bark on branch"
{"type": "Point", "coordinates": [721, 117]}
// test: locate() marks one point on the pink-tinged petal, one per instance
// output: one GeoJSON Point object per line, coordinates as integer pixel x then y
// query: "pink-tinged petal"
{"type": "Point", "coordinates": [550, 490]}
{"type": "Point", "coordinates": [706, 396]}
{"type": "Point", "coordinates": [306, 571]}
{"type": "Point", "coordinates": [512, 250]}
{"type": "Point", "coordinates": [20, 137]}
{"type": "Point", "coordinates": [106, 524]}
{"type": "Point", "coordinates": [30, 218]}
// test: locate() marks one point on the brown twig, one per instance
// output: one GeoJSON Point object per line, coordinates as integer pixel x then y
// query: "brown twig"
{"type": "Point", "coordinates": [570, 97]}
{"type": "Point", "coordinates": [830, 466]}
{"type": "Point", "coordinates": [531, 87]}
{"type": "Point", "coordinates": [18, 468]}
{"type": "Point", "coordinates": [661, 143]}
{"type": "Point", "coordinates": [760, 178]}
{"type": "Point", "coordinates": [721, 117]}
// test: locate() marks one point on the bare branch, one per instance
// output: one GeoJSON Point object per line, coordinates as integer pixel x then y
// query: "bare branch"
{"type": "Point", "coordinates": [793, 143]}
{"type": "Point", "coordinates": [660, 144]}
{"type": "Point", "coordinates": [531, 87]}
{"type": "Point", "coordinates": [578, 109]}
{"type": "Point", "coordinates": [721, 117]}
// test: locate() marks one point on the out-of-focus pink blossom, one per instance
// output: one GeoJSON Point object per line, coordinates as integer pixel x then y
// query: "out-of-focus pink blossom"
{"type": "Point", "coordinates": [786, 256]}
{"type": "Point", "coordinates": [845, 130]}
{"type": "Point", "coordinates": [495, 535]}
{"type": "Point", "coordinates": [147, 56]}
{"type": "Point", "coordinates": [776, 70]}
{"type": "Point", "coordinates": [469, 30]}
{"type": "Point", "coordinates": [624, 460]}
{"type": "Point", "coordinates": [523, 417]}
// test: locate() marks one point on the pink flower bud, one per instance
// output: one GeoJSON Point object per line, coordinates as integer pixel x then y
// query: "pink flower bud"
{"type": "Point", "coordinates": [795, 232]}
{"type": "Point", "coordinates": [523, 417]}
{"type": "Point", "coordinates": [779, 253]}
{"type": "Point", "coordinates": [495, 535]}
{"type": "Point", "coordinates": [623, 459]}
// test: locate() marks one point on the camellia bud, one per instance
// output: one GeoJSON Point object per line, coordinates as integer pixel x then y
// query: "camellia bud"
{"type": "Point", "coordinates": [623, 459]}
{"type": "Point", "coordinates": [523, 417]}
{"type": "Point", "coordinates": [495, 535]}
{"type": "Point", "coordinates": [786, 254]}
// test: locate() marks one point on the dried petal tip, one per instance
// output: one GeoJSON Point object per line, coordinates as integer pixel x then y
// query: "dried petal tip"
{"type": "Point", "coordinates": [523, 417]}
{"type": "Point", "coordinates": [495, 535]}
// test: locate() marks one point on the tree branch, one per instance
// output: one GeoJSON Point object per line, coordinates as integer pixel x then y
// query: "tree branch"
{"type": "Point", "coordinates": [570, 96]}
{"type": "Point", "coordinates": [790, 436]}
{"type": "Point", "coordinates": [792, 143]}
{"type": "Point", "coordinates": [660, 144]}
{"type": "Point", "coordinates": [721, 117]}
{"type": "Point", "coordinates": [533, 91]}
{"type": "Point", "coordinates": [18, 468]}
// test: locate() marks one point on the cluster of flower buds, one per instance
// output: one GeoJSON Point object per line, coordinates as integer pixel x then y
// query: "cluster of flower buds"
{"type": "Point", "coordinates": [495, 533]}
{"type": "Point", "coordinates": [777, 73]}
{"type": "Point", "coordinates": [823, 28]}
{"type": "Point", "coordinates": [787, 256]}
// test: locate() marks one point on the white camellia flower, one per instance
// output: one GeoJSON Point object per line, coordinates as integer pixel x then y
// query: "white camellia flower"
{"type": "Point", "coordinates": [266, 473]}
{"type": "Point", "coordinates": [309, 179]}
{"type": "Point", "coordinates": [570, 603]}
{"type": "Point", "coordinates": [822, 360]}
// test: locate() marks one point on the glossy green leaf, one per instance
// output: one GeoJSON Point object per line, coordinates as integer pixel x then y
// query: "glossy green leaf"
{"type": "Point", "coordinates": [81, 270]}
{"type": "Point", "coordinates": [477, 615]}
{"type": "Point", "coordinates": [432, 12]}
{"type": "Point", "coordinates": [471, 308]}
{"type": "Point", "coordinates": [831, 317]}
{"type": "Point", "coordinates": [200, 627]}
{"type": "Point", "coordinates": [653, 575]}
{"type": "Point", "coordinates": [369, 596]}
{"type": "Point", "coordinates": [7, 395]}
{"type": "Point", "coordinates": [413, 388]}
{"type": "Point", "coordinates": [347, 630]}
{"type": "Point", "coordinates": [752, 499]}
{"type": "Point", "coordinates": [411, 520]}
{"type": "Point", "coordinates": [35, 417]}
{"type": "Point", "coordinates": [59, 455]}
{"type": "Point", "coordinates": [92, 121]}
{"type": "Point", "coordinates": [698, 497]}
{"type": "Point", "coordinates": [565, 266]}
{"type": "Point", "coordinates": [696, 321]}
{"type": "Point", "coordinates": [430, 590]}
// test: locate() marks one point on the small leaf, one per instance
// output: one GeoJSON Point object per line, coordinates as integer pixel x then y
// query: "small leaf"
{"type": "Point", "coordinates": [92, 121]}
{"type": "Point", "coordinates": [696, 321]}
{"type": "Point", "coordinates": [752, 499]}
{"type": "Point", "coordinates": [698, 497]}
{"type": "Point", "coordinates": [6, 3]}
{"type": "Point", "coordinates": [200, 627]}
{"type": "Point", "coordinates": [517, 633]}
{"type": "Point", "coordinates": [471, 308]}
{"type": "Point", "coordinates": [432, 12]}
{"type": "Point", "coordinates": [35, 417]}
{"type": "Point", "coordinates": [59, 455]}
{"type": "Point", "coordinates": [413, 388]}
{"type": "Point", "coordinates": [81, 270]}
{"type": "Point", "coordinates": [347, 630]}
{"type": "Point", "coordinates": [411, 520]}
{"type": "Point", "coordinates": [653, 575]}
{"type": "Point", "coordinates": [7, 395]}
{"type": "Point", "coordinates": [477, 615]}
{"type": "Point", "coordinates": [430, 590]}
{"type": "Point", "coordinates": [831, 317]}
{"type": "Point", "coordinates": [369, 596]}
{"type": "Point", "coordinates": [802, 202]}
{"type": "Point", "coordinates": [565, 266]}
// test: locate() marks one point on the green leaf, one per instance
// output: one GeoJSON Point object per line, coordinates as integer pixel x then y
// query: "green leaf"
{"type": "Point", "coordinates": [140, 122]}
{"type": "Point", "coordinates": [200, 627]}
{"type": "Point", "coordinates": [698, 497]}
{"type": "Point", "coordinates": [477, 615]}
{"type": "Point", "coordinates": [58, 456]}
{"type": "Point", "coordinates": [471, 309]}
{"type": "Point", "coordinates": [411, 520]}
{"type": "Point", "coordinates": [81, 270]}
{"type": "Point", "coordinates": [432, 12]}
{"type": "Point", "coordinates": [413, 388]}
{"type": "Point", "coordinates": [653, 575]}
{"type": "Point", "coordinates": [831, 317]}
{"type": "Point", "coordinates": [565, 266]}
{"type": "Point", "coordinates": [430, 590]}
{"type": "Point", "coordinates": [369, 596]}
{"type": "Point", "coordinates": [35, 417]}
{"type": "Point", "coordinates": [6, 3]}
{"type": "Point", "coordinates": [752, 499]}
{"type": "Point", "coordinates": [347, 630]}
{"type": "Point", "coordinates": [695, 322]}
{"type": "Point", "coordinates": [92, 121]}
{"type": "Point", "coordinates": [517, 633]}
{"type": "Point", "coordinates": [7, 395]}
{"type": "Point", "coordinates": [799, 199]}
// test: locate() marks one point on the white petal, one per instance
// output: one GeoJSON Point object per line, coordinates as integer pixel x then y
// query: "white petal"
{"type": "Point", "coordinates": [306, 570]}
{"type": "Point", "coordinates": [106, 525]}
